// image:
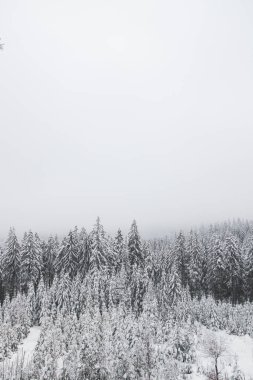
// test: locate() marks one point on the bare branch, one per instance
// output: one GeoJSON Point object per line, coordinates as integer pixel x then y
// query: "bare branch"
{"type": "Point", "coordinates": [214, 347]}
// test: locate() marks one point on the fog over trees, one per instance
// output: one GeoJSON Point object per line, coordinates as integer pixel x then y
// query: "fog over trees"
{"type": "Point", "coordinates": [139, 111]}
{"type": "Point", "coordinates": [114, 307]}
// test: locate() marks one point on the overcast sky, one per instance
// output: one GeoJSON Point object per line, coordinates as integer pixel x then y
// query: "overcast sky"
{"type": "Point", "coordinates": [125, 109]}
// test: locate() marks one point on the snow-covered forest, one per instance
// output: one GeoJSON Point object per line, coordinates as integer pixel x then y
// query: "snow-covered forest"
{"type": "Point", "coordinates": [94, 306]}
{"type": "Point", "coordinates": [135, 109]}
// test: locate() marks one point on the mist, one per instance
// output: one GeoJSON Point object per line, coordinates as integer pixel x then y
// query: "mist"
{"type": "Point", "coordinates": [125, 109]}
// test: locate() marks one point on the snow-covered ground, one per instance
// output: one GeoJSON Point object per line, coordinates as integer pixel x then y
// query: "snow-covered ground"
{"type": "Point", "coordinates": [237, 354]}
{"type": "Point", "coordinates": [25, 349]}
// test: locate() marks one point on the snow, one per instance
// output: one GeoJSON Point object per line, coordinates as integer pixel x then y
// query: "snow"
{"type": "Point", "coordinates": [26, 348]}
{"type": "Point", "coordinates": [242, 346]}
{"type": "Point", "coordinates": [238, 354]}
{"type": "Point", "coordinates": [59, 366]}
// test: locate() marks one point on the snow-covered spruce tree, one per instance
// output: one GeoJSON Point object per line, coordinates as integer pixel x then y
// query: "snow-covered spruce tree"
{"type": "Point", "coordinates": [2, 290]}
{"type": "Point", "coordinates": [137, 277]}
{"type": "Point", "coordinates": [49, 253]}
{"type": "Point", "coordinates": [217, 275]}
{"type": "Point", "coordinates": [93, 358]}
{"type": "Point", "coordinates": [156, 262]}
{"type": "Point", "coordinates": [183, 348]}
{"type": "Point", "coordinates": [121, 293]}
{"type": "Point", "coordinates": [182, 258]}
{"type": "Point", "coordinates": [135, 247]}
{"type": "Point", "coordinates": [204, 254]}
{"type": "Point", "coordinates": [248, 268]}
{"type": "Point", "coordinates": [84, 252]}
{"type": "Point", "coordinates": [30, 296]}
{"type": "Point", "coordinates": [31, 261]}
{"type": "Point", "coordinates": [47, 351]}
{"type": "Point", "coordinates": [38, 302]}
{"type": "Point", "coordinates": [35, 301]}
{"type": "Point", "coordinates": [234, 268]}
{"type": "Point", "coordinates": [194, 253]}
{"type": "Point", "coordinates": [138, 287]}
{"type": "Point", "coordinates": [63, 293]}
{"type": "Point", "coordinates": [68, 255]}
{"type": "Point", "coordinates": [100, 255]}
{"type": "Point", "coordinates": [169, 287]}
{"type": "Point", "coordinates": [162, 295]}
{"type": "Point", "coordinates": [174, 285]}
{"type": "Point", "coordinates": [120, 345]}
{"type": "Point", "coordinates": [119, 250]}
{"type": "Point", "coordinates": [76, 299]}
{"type": "Point", "coordinates": [11, 264]}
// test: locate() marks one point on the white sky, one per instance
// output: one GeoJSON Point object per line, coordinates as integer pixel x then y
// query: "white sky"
{"type": "Point", "coordinates": [125, 109]}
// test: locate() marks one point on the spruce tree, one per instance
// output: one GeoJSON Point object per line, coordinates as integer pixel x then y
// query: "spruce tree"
{"type": "Point", "coordinates": [2, 290]}
{"type": "Point", "coordinates": [234, 267]}
{"type": "Point", "coordinates": [68, 255]}
{"type": "Point", "coordinates": [50, 249]}
{"type": "Point", "coordinates": [204, 253]}
{"type": "Point", "coordinates": [195, 264]}
{"type": "Point", "coordinates": [84, 248]}
{"type": "Point", "coordinates": [63, 293]}
{"type": "Point", "coordinates": [182, 258]}
{"type": "Point", "coordinates": [134, 246]}
{"type": "Point", "coordinates": [217, 275]}
{"type": "Point", "coordinates": [11, 264]}
{"type": "Point", "coordinates": [249, 272]}
{"type": "Point", "coordinates": [118, 248]}
{"type": "Point", "coordinates": [247, 258]}
{"type": "Point", "coordinates": [99, 249]}
{"type": "Point", "coordinates": [31, 261]}
{"type": "Point", "coordinates": [174, 285]}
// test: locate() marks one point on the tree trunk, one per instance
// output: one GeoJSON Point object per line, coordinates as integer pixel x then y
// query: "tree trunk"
{"type": "Point", "coordinates": [216, 369]}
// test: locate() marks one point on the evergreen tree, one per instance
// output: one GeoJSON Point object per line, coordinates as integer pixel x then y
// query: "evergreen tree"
{"type": "Point", "coordinates": [162, 294]}
{"type": "Point", "coordinates": [233, 267]}
{"type": "Point", "coordinates": [84, 246]}
{"type": "Point", "coordinates": [38, 302]}
{"type": "Point", "coordinates": [195, 264]}
{"type": "Point", "coordinates": [49, 255]}
{"type": "Point", "coordinates": [99, 248]}
{"type": "Point", "coordinates": [31, 260]}
{"type": "Point", "coordinates": [63, 293]}
{"type": "Point", "coordinates": [135, 247]}
{"type": "Point", "coordinates": [138, 286]}
{"type": "Point", "coordinates": [174, 285]}
{"type": "Point", "coordinates": [247, 264]}
{"type": "Point", "coordinates": [249, 272]}
{"type": "Point", "coordinates": [11, 264]}
{"type": "Point", "coordinates": [204, 253]}
{"type": "Point", "coordinates": [68, 255]}
{"type": "Point", "coordinates": [217, 275]}
{"type": "Point", "coordinates": [118, 248]}
{"type": "Point", "coordinates": [2, 290]}
{"type": "Point", "coordinates": [182, 258]}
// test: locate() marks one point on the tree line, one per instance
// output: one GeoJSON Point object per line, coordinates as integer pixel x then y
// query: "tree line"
{"type": "Point", "coordinates": [216, 261]}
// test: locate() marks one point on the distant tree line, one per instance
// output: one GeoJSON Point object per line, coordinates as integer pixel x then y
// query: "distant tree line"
{"type": "Point", "coordinates": [215, 261]}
